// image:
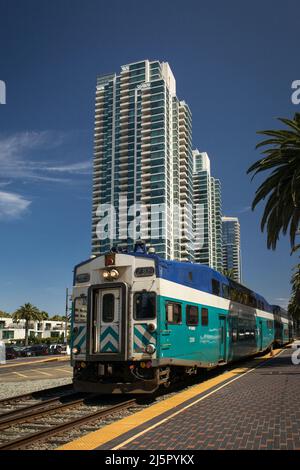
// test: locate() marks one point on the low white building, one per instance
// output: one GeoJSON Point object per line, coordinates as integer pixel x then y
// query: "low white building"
{"type": "Point", "coordinates": [14, 332]}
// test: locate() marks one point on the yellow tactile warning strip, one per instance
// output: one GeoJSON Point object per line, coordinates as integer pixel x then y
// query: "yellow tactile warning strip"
{"type": "Point", "coordinates": [52, 359]}
{"type": "Point", "coordinates": [114, 430]}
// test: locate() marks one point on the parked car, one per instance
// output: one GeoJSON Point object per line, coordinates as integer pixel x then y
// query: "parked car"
{"type": "Point", "coordinates": [18, 350]}
{"type": "Point", "coordinates": [10, 352]}
{"type": "Point", "coordinates": [58, 348]}
{"type": "Point", "coordinates": [25, 351]}
{"type": "Point", "coordinates": [39, 350]}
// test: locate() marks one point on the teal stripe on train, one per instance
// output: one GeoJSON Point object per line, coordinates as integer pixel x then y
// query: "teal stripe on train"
{"type": "Point", "coordinates": [142, 337]}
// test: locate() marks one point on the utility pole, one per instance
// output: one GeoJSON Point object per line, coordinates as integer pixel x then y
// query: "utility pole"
{"type": "Point", "coordinates": [66, 318]}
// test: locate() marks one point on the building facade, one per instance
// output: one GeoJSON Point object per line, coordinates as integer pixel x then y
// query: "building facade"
{"type": "Point", "coordinates": [232, 247]}
{"type": "Point", "coordinates": [207, 213]}
{"type": "Point", "coordinates": [143, 163]}
{"type": "Point", "coordinates": [14, 332]}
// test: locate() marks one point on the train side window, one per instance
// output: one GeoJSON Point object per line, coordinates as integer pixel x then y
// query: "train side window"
{"type": "Point", "coordinates": [108, 308]}
{"type": "Point", "coordinates": [192, 315]}
{"type": "Point", "coordinates": [215, 285]}
{"type": "Point", "coordinates": [251, 301]}
{"type": "Point", "coordinates": [204, 316]}
{"type": "Point", "coordinates": [173, 313]}
{"type": "Point", "coordinates": [226, 293]}
{"type": "Point", "coordinates": [234, 335]}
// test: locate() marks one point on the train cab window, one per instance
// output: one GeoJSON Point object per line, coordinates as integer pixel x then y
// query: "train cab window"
{"type": "Point", "coordinates": [144, 305]}
{"type": "Point", "coordinates": [80, 309]}
{"type": "Point", "coordinates": [192, 315]}
{"type": "Point", "coordinates": [108, 308]}
{"type": "Point", "coordinates": [173, 313]}
{"type": "Point", "coordinates": [204, 316]}
{"type": "Point", "coordinates": [215, 285]}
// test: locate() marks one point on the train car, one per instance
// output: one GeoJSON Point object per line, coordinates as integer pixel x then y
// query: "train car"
{"type": "Point", "coordinates": [140, 322]}
{"type": "Point", "coordinates": [283, 326]}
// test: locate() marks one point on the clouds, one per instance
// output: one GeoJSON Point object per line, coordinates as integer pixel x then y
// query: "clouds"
{"type": "Point", "coordinates": [36, 156]}
{"type": "Point", "coordinates": [81, 168]}
{"type": "Point", "coordinates": [12, 205]}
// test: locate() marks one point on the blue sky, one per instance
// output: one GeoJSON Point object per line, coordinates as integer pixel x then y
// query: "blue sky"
{"type": "Point", "coordinates": [234, 63]}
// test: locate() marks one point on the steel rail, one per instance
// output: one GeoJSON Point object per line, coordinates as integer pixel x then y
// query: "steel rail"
{"type": "Point", "coordinates": [20, 442]}
{"type": "Point", "coordinates": [19, 416]}
{"type": "Point", "coordinates": [37, 392]}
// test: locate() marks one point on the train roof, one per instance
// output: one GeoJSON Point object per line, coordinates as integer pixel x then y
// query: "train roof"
{"type": "Point", "coordinates": [280, 310]}
{"type": "Point", "coordinates": [195, 275]}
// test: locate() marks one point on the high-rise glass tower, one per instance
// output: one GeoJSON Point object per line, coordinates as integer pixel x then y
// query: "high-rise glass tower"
{"type": "Point", "coordinates": [232, 247]}
{"type": "Point", "coordinates": [143, 163]}
{"type": "Point", "coordinates": [207, 213]}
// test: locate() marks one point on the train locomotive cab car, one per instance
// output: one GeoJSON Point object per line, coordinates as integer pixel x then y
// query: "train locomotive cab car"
{"type": "Point", "coordinates": [140, 322]}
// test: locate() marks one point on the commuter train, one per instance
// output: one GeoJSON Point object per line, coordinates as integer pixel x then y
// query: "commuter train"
{"type": "Point", "coordinates": [283, 326]}
{"type": "Point", "coordinates": [141, 322]}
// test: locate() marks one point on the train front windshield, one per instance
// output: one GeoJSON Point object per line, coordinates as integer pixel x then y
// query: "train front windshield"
{"type": "Point", "coordinates": [144, 305]}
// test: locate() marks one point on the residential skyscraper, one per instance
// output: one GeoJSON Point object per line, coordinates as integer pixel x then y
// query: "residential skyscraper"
{"type": "Point", "coordinates": [232, 246]}
{"type": "Point", "coordinates": [143, 163]}
{"type": "Point", "coordinates": [207, 213]}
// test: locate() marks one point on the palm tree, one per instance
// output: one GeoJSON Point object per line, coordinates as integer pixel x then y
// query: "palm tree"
{"type": "Point", "coordinates": [44, 315]}
{"type": "Point", "coordinates": [282, 186]}
{"type": "Point", "coordinates": [228, 273]}
{"type": "Point", "coordinates": [294, 304]}
{"type": "Point", "coordinates": [27, 312]}
{"type": "Point", "coordinates": [57, 318]}
{"type": "Point", "coordinates": [4, 314]}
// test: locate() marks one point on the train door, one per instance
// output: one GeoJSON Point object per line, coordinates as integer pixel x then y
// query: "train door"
{"type": "Point", "coordinates": [261, 336]}
{"type": "Point", "coordinates": [222, 340]}
{"type": "Point", "coordinates": [107, 320]}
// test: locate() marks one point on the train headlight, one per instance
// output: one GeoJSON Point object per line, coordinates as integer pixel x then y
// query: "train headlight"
{"type": "Point", "coordinates": [75, 350]}
{"type": "Point", "coordinates": [151, 327]}
{"type": "Point", "coordinates": [114, 274]}
{"type": "Point", "coordinates": [110, 274]}
{"type": "Point", "coordinates": [150, 348]}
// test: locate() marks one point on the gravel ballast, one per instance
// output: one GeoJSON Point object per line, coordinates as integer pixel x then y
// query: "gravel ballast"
{"type": "Point", "coordinates": [11, 389]}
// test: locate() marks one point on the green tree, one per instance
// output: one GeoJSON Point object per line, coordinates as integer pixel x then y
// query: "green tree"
{"type": "Point", "coordinates": [4, 314]}
{"type": "Point", "coordinates": [57, 318]}
{"type": "Point", "coordinates": [27, 312]}
{"type": "Point", "coordinates": [44, 315]}
{"type": "Point", "coordinates": [294, 304]}
{"type": "Point", "coordinates": [282, 186]}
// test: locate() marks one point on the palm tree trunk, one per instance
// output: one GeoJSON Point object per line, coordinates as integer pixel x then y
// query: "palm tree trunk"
{"type": "Point", "coordinates": [26, 332]}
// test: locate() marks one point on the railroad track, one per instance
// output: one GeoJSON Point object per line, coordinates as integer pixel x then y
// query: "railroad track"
{"type": "Point", "coordinates": [18, 402]}
{"type": "Point", "coordinates": [29, 425]}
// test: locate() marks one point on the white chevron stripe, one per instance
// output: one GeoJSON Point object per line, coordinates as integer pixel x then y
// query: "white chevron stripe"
{"type": "Point", "coordinates": [144, 332]}
{"type": "Point", "coordinates": [109, 337]}
{"type": "Point", "coordinates": [138, 342]}
{"type": "Point", "coordinates": [79, 337]}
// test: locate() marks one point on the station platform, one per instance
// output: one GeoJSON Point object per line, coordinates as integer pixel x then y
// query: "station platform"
{"type": "Point", "coordinates": [256, 406]}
